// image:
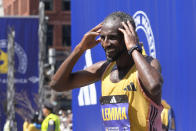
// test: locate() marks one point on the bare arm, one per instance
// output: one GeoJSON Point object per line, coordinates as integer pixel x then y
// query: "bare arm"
{"type": "Point", "coordinates": [149, 72]}
{"type": "Point", "coordinates": [64, 79]}
{"type": "Point", "coordinates": [149, 76]}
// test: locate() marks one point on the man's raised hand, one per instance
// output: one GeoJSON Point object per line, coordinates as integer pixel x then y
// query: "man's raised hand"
{"type": "Point", "coordinates": [130, 35]}
{"type": "Point", "coordinates": [89, 39]}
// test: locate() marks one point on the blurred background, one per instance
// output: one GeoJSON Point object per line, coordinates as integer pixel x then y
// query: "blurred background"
{"type": "Point", "coordinates": [21, 15]}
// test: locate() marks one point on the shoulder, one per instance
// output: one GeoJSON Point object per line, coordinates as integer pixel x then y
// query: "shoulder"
{"type": "Point", "coordinates": [103, 66]}
{"type": "Point", "coordinates": [98, 67]}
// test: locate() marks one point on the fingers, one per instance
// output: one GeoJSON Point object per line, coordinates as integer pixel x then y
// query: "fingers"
{"type": "Point", "coordinates": [98, 27]}
{"type": "Point", "coordinates": [130, 35]}
{"type": "Point", "coordinates": [93, 33]}
{"type": "Point", "coordinates": [125, 26]}
{"type": "Point", "coordinates": [98, 31]}
{"type": "Point", "coordinates": [128, 28]}
{"type": "Point", "coordinates": [122, 30]}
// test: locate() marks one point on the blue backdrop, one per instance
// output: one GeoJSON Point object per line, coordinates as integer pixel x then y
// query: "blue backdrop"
{"type": "Point", "coordinates": [167, 29]}
{"type": "Point", "coordinates": [26, 66]}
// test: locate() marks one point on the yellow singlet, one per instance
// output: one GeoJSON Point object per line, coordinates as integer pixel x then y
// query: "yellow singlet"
{"type": "Point", "coordinates": [144, 114]}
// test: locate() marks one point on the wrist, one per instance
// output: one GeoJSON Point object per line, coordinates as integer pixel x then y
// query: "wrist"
{"type": "Point", "coordinates": [80, 49]}
{"type": "Point", "coordinates": [133, 48]}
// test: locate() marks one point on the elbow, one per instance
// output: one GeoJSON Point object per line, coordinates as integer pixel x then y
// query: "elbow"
{"type": "Point", "coordinates": [57, 86]}
{"type": "Point", "coordinates": [156, 87]}
{"type": "Point", "coordinates": [53, 84]}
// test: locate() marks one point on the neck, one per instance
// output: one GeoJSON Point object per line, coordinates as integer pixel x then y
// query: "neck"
{"type": "Point", "coordinates": [124, 62]}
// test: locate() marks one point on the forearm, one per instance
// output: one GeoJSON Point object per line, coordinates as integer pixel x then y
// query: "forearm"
{"type": "Point", "coordinates": [63, 74]}
{"type": "Point", "coordinates": [150, 76]}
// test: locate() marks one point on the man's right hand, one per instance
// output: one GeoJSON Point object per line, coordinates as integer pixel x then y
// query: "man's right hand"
{"type": "Point", "coordinates": [64, 79]}
{"type": "Point", "coordinates": [89, 39]}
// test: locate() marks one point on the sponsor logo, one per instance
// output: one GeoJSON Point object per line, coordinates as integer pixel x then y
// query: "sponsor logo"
{"type": "Point", "coordinates": [143, 23]}
{"type": "Point", "coordinates": [33, 79]}
{"type": "Point", "coordinates": [113, 100]}
{"type": "Point", "coordinates": [21, 63]}
{"type": "Point", "coordinates": [130, 87]}
{"type": "Point", "coordinates": [20, 54]}
{"type": "Point", "coordinates": [87, 94]}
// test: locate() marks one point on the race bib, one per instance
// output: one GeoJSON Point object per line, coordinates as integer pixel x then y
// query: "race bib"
{"type": "Point", "coordinates": [114, 111]}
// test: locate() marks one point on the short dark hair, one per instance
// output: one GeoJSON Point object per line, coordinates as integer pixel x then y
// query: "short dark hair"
{"type": "Point", "coordinates": [124, 17]}
{"type": "Point", "coordinates": [48, 106]}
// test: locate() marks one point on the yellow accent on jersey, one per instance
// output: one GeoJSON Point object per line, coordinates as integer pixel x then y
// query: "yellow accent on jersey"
{"type": "Point", "coordinates": [143, 51]}
{"type": "Point", "coordinates": [4, 59]}
{"type": "Point", "coordinates": [139, 104]}
{"type": "Point", "coordinates": [164, 114]}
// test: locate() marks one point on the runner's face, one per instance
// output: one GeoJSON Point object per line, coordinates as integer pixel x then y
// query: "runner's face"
{"type": "Point", "coordinates": [112, 39]}
{"type": "Point", "coordinates": [45, 111]}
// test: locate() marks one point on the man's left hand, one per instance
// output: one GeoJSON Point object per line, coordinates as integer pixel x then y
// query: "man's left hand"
{"type": "Point", "coordinates": [130, 35]}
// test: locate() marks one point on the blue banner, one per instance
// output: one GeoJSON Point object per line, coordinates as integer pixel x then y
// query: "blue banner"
{"type": "Point", "coordinates": [167, 29]}
{"type": "Point", "coordinates": [26, 67]}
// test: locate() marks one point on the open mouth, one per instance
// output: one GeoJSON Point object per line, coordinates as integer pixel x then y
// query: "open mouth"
{"type": "Point", "coordinates": [110, 51]}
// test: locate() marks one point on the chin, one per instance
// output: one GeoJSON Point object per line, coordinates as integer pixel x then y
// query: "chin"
{"type": "Point", "coordinates": [115, 56]}
{"type": "Point", "coordinates": [112, 59]}
{"type": "Point", "coordinates": [109, 60]}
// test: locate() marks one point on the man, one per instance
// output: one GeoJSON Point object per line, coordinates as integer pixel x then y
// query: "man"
{"type": "Point", "coordinates": [51, 121]}
{"type": "Point", "coordinates": [131, 82]}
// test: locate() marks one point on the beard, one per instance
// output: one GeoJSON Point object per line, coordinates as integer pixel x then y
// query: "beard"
{"type": "Point", "coordinates": [116, 56]}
